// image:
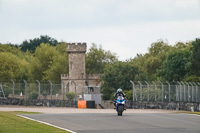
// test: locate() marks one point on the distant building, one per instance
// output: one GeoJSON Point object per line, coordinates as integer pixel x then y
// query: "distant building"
{"type": "Point", "coordinates": [77, 77]}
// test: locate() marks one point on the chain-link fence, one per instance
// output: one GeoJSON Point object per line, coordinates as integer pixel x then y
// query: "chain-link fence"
{"type": "Point", "coordinates": [34, 94]}
{"type": "Point", "coordinates": [31, 90]}
{"type": "Point", "coordinates": [48, 94]}
{"type": "Point", "coordinates": [166, 92]}
{"type": "Point", "coordinates": [142, 91]}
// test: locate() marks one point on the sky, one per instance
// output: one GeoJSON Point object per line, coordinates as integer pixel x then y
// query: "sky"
{"type": "Point", "coordinates": [125, 27]}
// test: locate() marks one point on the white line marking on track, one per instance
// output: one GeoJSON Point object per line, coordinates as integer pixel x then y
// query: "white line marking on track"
{"type": "Point", "coordinates": [47, 124]}
{"type": "Point", "coordinates": [193, 114]}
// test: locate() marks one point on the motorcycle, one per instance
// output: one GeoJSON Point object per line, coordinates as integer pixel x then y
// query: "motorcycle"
{"type": "Point", "coordinates": [120, 104]}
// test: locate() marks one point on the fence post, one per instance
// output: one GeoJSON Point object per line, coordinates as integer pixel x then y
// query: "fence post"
{"type": "Point", "coordinates": [184, 95]}
{"type": "Point", "coordinates": [140, 90]}
{"type": "Point", "coordinates": [147, 90]}
{"type": "Point", "coordinates": [38, 88]}
{"type": "Point", "coordinates": [75, 89]}
{"type": "Point", "coordinates": [169, 91]}
{"type": "Point", "coordinates": [13, 89]}
{"type": "Point", "coordinates": [188, 91]}
{"type": "Point", "coordinates": [155, 87]}
{"type": "Point", "coordinates": [25, 91]}
{"type": "Point", "coordinates": [192, 91]}
{"type": "Point", "coordinates": [134, 91]}
{"type": "Point", "coordinates": [162, 89]}
{"type": "Point", "coordinates": [63, 86]}
{"type": "Point", "coordinates": [50, 91]}
{"type": "Point", "coordinates": [196, 91]}
{"type": "Point", "coordinates": [180, 86]}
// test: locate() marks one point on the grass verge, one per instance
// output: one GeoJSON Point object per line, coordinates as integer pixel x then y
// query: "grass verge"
{"type": "Point", "coordinates": [10, 123]}
{"type": "Point", "coordinates": [188, 112]}
{"type": "Point", "coordinates": [196, 113]}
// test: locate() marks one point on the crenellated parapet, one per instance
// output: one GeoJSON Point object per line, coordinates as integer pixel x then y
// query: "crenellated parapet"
{"type": "Point", "coordinates": [64, 76]}
{"type": "Point", "coordinates": [76, 47]}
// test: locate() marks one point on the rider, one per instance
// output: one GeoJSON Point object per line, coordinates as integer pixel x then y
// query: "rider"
{"type": "Point", "coordinates": [119, 93]}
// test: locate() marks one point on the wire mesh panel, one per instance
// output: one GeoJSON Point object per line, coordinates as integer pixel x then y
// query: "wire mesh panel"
{"type": "Point", "coordinates": [173, 93]}
{"type": "Point", "coordinates": [159, 93]}
{"type": "Point", "coordinates": [144, 93]}
{"type": "Point", "coordinates": [165, 93]}
{"type": "Point", "coordinates": [137, 88]}
{"type": "Point", "coordinates": [192, 93]}
{"type": "Point", "coordinates": [19, 89]}
{"type": "Point", "coordinates": [152, 92]}
{"type": "Point", "coordinates": [198, 94]}
{"type": "Point", "coordinates": [189, 93]}
{"type": "Point", "coordinates": [6, 89]}
{"type": "Point", "coordinates": [45, 90]}
{"type": "Point", "coordinates": [32, 90]}
{"type": "Point", "coordinates": [184, 93]}
{"type": "Point", "coordinates": [56, 91]}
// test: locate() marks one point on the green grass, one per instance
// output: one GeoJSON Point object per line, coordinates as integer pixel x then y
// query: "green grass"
{"type": "Point", "coordinates": [188, 112]}
{"type": "Point", "coordinates": [10, 123]}
{"type": "Point", "coordinates": [197, 113]}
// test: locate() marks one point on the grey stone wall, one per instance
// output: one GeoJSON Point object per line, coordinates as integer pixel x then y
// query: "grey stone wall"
{"type": "Point", "coordinates": [76, 66]}
{"type": "Point", "coordinates": [38, 102]}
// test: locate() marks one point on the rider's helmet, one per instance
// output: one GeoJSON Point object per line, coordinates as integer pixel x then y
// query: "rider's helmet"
{"type": "Point", "coordinates": [119, 90]}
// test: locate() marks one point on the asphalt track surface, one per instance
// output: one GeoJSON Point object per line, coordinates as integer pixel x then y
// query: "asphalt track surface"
{"type": "Point", "coordinates": [128, 123]}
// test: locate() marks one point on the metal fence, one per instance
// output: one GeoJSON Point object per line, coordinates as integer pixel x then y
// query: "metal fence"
{"type": "Point", "coordinates": [142, 91]}
{"type": "Point", "coordinates": [166, 92]}
{"type": "Point", "coordinates": [31, 90]}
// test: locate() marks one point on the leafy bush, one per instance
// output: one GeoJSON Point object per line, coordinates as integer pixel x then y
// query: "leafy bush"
{"type": "Point", "coordinates": [70, 95]}
{"type": "Point", "coordinates": [6, 90]}
{"type": "Point", "coordinates": [44, 94]}
{"type": "Point", "coordinates": [192, 78]}
{"type": "Point", "coordinates": [129, 94]}
{"type": "Point", "coordinates": [33, 94]}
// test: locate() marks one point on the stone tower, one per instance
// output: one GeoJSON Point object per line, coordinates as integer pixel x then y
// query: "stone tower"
{"type": "Point", "coordinates": [76, 53]}
{"type": "Point", "coordinates": [77, 81]}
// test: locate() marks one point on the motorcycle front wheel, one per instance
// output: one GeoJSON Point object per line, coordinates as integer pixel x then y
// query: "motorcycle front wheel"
{"type": "Point", "coordinates": [120, 110]}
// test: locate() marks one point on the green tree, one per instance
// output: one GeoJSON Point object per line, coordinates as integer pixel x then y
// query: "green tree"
{"type": "Point", "coordinates": [195, 58]}
{"type": "Point", "coordinates": [59, 66]}
{"type": "Point", "coordinates": [157, 54]}
{"type": "Point", "coordinates": [13, 67]}
{"type": "Point", "coordinates": [12, 49]}
{"type": "Point", "coordinates": [117, 75]}
{"type": "Point", "coordinates": [32, 44]}
{"type": "Point", "coordinates": [176, 65]}
{"type": "Point", "coordinates": [97, 59]}
{"type": "Point", "coordinates": [44, 55]}
{"type": "Point", "coordinates": [50, 63]}
{"type": "Point", "coordinates": [152, 61]}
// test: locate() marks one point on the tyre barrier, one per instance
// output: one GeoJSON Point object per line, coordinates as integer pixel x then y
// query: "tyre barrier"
{"type": "Point", "coordinates": [86, 104]}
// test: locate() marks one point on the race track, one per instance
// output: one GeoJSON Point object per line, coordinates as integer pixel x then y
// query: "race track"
{"type": "Point", "coordinates": [128, 123]}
